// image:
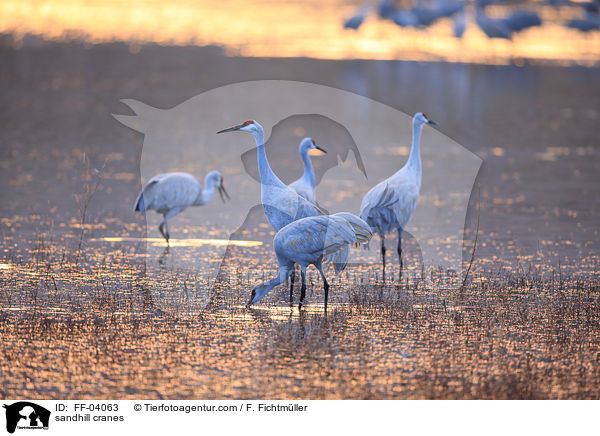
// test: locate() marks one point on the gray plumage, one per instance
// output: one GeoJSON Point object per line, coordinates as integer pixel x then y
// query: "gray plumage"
{"type": "Point", "coordinates": [389, 205]}
{"type": "Point", "coordinates": [308, 241]}
{"type": "Point", "coordinates": [305, 185]}
{"type": "Point", "coordinates": [171, 193]}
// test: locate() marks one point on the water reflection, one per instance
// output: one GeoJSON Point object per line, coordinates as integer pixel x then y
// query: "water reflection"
{"type": "Point", "coordinates": [192, 242]}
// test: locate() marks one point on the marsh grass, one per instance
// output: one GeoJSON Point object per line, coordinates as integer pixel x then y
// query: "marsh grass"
{"type": "Point", "coordinates": [104, 329]}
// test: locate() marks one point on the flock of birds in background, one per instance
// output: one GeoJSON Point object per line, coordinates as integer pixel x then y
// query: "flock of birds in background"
{"type": "Point", "coordinates": [305, 234]}
{"type": "Point", "coordinates": [424, 15]}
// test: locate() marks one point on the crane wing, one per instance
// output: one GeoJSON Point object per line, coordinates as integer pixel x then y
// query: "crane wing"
{"type": "Point", "coordinates": [140, 202]}
{"type": "Point", "coordinates": [170, 191]}
{"type": "Point", "coordinates": [361, 229]}
{"type": "Point", "coordinates": [307, 209]}
{"type": "Point", "coordinates": [303, 190]}
{"type": "Point", "coordinates": [308, 239]}
{"type": "Point", "coordinates": [389, 205]}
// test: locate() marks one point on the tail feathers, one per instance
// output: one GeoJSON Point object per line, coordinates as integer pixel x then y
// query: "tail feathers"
{"type": "Point", "coordinates": [339, 259]}
{"type": "Point", "coordinates": [361, 229]}
{"type": "Point", "coordinates": [140, 205]}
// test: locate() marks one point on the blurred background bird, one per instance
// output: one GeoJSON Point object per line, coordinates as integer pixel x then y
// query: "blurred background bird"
{"type": "Point", "coordinates": [171, 193]}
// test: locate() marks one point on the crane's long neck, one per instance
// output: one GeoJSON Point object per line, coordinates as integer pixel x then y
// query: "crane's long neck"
{"type": "Point", "coordinates": [205, 196]}
{"type": "Point", "coordinates": [277, 280]}
{"type": "Point", "coordinates": [309, 174]}
{"type": "Point", "coordinates": [267, 176]}
{"type": "Point", "coordinates": [414, 159]}
{"type": "Point", "coordinates": [264, 288]}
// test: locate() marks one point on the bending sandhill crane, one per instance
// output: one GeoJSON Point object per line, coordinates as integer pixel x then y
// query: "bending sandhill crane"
{"type": "Point", "coordinates": [172, 193]}
{"type": "Point", "coordinates": [306, 242]}
{"type": "Point", "coordinates": [505, 27]}
{"type": "Point", "coordinates": [281, 203]}
{"type": "Point", "coordinates": [356, 20]}
{"type": "Point", "coordinates": [521, 20]}
{"type": "Point", "coordinates": [305, 186]}
{"type": "Point", "coordinates": [390, 204]}
{"type": "Point", "coordinates": [588, 23]}
{"type": "Point", "coordinates": [422, 16]}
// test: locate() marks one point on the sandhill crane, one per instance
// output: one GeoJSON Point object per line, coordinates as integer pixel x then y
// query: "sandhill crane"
{"type": "Point", "coordinates": [387, 9]}
{"type": "Point", "coordinates": [172, 193]}
{"type": "Point", "coordinates": [588, 23]}
{"type": "Point", "coordinates": [521, 20]}
{"type": "Point", "coordinates": [459, 24]}
{"type": "Point", "coordinates": [492, 27]}
{"type": "Point", "coordinates": [424, 16]}
{"type": "Point", "coordinates": [305, 186]}
{"type": "Point", "coordinates": [356, 20]}
{"type": "Point", "coordinates": [505, 27]}
{"type": "Point", "coordinates": [281, 203]}
{"type": "Point", "coordinates": [306, 242]}
{"type": "Point", "coordinates": [390, 204]}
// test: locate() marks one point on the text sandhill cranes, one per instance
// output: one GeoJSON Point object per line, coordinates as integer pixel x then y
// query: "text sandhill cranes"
{"type": "Point", "coordinates": [172, 193]}
{"type": "Point", "coordinates": [390, 204]}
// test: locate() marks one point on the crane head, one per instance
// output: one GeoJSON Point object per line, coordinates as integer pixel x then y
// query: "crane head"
{"type": "Point", "coordinates": [247, 126]}
{"type": "Point", "coordinates": [308, 144]}
{"type": "Point", "coordinates": [421, 119]}
{"type": "Point", "coordinates": [215, 179]}
{"type": "Point", "coordinates": [257, 293]}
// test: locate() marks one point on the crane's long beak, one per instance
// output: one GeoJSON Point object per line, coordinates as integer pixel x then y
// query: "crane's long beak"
{"type": "Point", "coordinates": [320, 149]}
{"type": "Point", "coordinates": [432, 122]}
{"type": "Point", "coordinates": [223, 193]}
{"type": "Point", "coordinates": [231, 129]}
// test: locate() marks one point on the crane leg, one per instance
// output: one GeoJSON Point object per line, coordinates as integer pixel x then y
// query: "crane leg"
{"type": "Point", "coordinates": [167, 231]}
{"type": "Point", "coordinates": [302, 288]}
{"type": "Point", "coordinates": [170, 214]}
{"type": "Point", "coordinates": [400, 254]}
{"type": "Point", "coordinates": [292, 280]}
{"type": "Point", "coordinates": [161, 229]}
{"type": "Point", "coordinates": [383, 256]}
{"type": "Point", "coordinates": [325, 287]}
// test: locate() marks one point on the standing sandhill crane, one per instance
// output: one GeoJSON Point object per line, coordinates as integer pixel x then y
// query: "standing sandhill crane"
{"type": "Point", "coordinates": [492, 27]}
{"type": "Point", "coordinates": [307, 241]}
{"type": "Point", "coordinates": [281, 203]}
{"type": "Point", "coordinates": [305, 186]}
{"type": "Point", "coordinates": [459, 24]}
{"type": "Point", "coordinates": [172, 193]}
{"type": "Point", "coordinates": [390, 204]}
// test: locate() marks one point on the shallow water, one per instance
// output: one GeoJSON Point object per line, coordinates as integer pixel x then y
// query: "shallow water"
{"type": "Point", "coordinates": [525, 328]}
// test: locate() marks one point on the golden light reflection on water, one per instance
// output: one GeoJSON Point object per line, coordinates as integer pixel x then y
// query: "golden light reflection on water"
{"type": "Point", "coordinates": [506, 336]}
{"type": "Point", "coordinates": [290, 29]}
{"type": "Point", "coordinates": [183, 242]}
{"type": "Point", "coordinates": [283, 313]}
